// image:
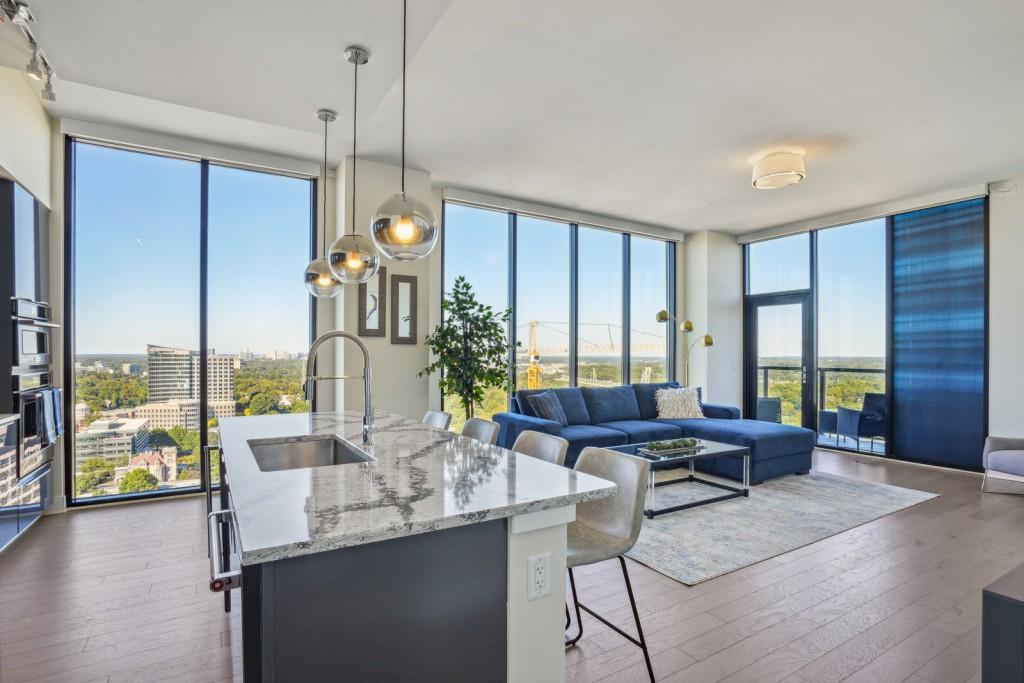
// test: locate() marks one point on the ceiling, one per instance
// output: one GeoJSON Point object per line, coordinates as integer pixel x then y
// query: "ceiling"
{"type": "Point", "coordinates": [649, 114]}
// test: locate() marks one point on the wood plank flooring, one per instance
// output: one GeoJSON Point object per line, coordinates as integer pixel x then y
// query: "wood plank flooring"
{"type": "Point", "coordinates": [119, 594]}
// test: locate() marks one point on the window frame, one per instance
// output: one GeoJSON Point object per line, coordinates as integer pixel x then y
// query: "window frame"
{"type": "Point", "coordinates": [68, 311]}
{"type": "Point", "coordinates": [574, 227]}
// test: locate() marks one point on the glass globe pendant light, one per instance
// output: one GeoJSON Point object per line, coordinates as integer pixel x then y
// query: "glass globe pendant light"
{"type": "Point", "coordinates": [352, 257]}
{"type": "Point", "coordinates": [319, 279]}
{"type": "Point", "coordinates": [403, 227]}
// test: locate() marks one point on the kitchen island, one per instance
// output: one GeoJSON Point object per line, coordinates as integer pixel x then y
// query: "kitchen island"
{"type": "Point", "coordinates": [407, 560]}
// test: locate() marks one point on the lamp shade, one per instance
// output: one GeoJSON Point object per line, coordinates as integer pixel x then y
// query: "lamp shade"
{"type": "Point", "coordinates": [404, 228]}
{"type": "Point", "coordinates": [352, 259]}
{"type": "Point", "coordinates": [778, 169]}
{"type": "Point", "coordinates": [320, 281]}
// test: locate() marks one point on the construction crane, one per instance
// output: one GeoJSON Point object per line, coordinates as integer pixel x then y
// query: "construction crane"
{"type": "Point", "coordinates": [533, 369]}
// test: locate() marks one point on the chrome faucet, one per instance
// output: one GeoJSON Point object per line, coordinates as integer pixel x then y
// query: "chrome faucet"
{"type": "Point", "coordinates": [309, 387]}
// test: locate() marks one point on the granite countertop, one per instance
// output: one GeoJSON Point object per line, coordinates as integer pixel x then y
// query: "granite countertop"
{"type": "Point", "coordinates": [421, 479]}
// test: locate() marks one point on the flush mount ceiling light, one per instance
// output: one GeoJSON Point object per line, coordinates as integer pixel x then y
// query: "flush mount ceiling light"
{"type": "Point", "coordinates": [352, 257]}
{"type": "Point", "coordinates": [778, 169]}
{"type": "Point", "coordinates": [404, 228]}
{"type": "Point", "coordinates": [319, 279]}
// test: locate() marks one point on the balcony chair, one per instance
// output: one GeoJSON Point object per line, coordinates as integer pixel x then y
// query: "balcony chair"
{"type": "Point", "coordinates": [437, 419]}
{"type": "Point", "coordinates": [868, 422]}
{"type": "Point", "coordinates": [606, 529]}
{"type": "Point", "coordinates": [481, 430]}
{"type": "Point", "coordinates": [1003, 459]}
{"type": "Point", "coordinates": [542, 446]}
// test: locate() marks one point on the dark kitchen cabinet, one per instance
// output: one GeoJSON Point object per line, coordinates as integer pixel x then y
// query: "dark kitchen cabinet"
{"type": "Point", "coordinates": [31, 247]}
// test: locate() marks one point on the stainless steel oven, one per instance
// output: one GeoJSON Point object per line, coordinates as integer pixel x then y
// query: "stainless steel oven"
{"type": "Point", "coordinates": [32, 329]}
{"type": "Point", "coordinates": [37, 405]}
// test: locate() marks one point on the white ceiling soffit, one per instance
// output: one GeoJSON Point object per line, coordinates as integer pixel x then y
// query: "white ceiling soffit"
{"type": "Point", "coordinates": [649, 111]}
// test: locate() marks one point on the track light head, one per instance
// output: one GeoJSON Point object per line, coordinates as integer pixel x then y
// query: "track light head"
{"type": "Point", "coordinates": [34, 68]}
{"type": "Point", "coordinates": [47, 93]}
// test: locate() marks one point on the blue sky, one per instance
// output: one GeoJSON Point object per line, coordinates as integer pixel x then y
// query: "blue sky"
{"type": "Point", "coordinates": [137, 255]}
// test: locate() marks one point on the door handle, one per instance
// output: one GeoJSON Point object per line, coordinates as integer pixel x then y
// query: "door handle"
{"type": "Point", "coordinates": [803, 375]}
{"type": "Point", "coordinates": [221, 577]}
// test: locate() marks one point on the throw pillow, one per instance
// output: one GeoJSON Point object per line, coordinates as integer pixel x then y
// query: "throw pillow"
{"type": "Point", "coordinates": [679, 404]}
{"type": "Point", "coordinates": [548, 407]}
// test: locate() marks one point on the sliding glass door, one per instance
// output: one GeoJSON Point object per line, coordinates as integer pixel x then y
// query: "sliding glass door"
{"type": "Point", "coordinates": [137, 244]}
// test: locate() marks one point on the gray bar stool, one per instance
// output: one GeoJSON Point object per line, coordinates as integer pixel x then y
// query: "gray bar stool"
{"type": "Point", "coordinates": [608, 528]}
{"type": "Point", "coordinates": [481, 430]}
{"type": "Point", "coordinates": [437, 418]}
{"type": "Point", "coordinates": [542, 446]}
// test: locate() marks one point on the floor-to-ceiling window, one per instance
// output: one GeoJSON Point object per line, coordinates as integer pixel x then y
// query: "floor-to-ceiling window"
{"type": "Point", "coordinates": [649, 279]}
{"type": "Point", "coordinates": [777, 333]}
{"type": "Point", "coordinates": [259, 320]}
{"type": "Point", "coordinates": [572, 317]}
{"type": "Point", "coordinates": [851, 327]}
{"type": "Point", "coordinates": [136, 311]}
{"type": "Point", "coordinates": [599, 342]}
{"type": "Point", "coordinates": [476, 248]}
{"type": "Point", "coordinates": [542, 303]}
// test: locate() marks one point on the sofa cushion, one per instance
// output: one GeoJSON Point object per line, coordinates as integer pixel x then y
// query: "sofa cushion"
{"type": "Point", "coordinates": [573, 406]}
{"type": "Point", "coordinates": [645, 399]}
{"type": "Point", "coordinates": [547, 406]}
{"type": "Point", "coordinates": [581, 436]}
{"type": "Point", "coordinates": [765, 439]}
{"type": "Point", "coordinates": [608, 404]}
{"type": "Point", "coordinates": [1007, 462]}
{"type": "Point", "coordinates": [642, 431]}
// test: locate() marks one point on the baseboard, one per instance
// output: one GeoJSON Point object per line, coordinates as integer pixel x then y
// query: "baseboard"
{"type": "Point", "coordinates": [897, 461]}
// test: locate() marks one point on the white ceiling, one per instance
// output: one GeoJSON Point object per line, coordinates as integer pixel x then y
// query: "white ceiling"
{"type": "Point", "coordinates": [647, 111]}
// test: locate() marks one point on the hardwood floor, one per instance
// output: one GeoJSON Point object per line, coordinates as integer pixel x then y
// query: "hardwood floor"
{"type": "Point", "coordinates": [119, 594]}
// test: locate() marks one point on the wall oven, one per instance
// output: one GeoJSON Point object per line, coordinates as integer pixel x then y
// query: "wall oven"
{"type": "Point", "coordinates": [37, 406]}
{"type": "Point", "coordinates": [32, 329]}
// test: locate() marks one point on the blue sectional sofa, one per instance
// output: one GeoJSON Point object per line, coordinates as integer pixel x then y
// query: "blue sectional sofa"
{"type": "Point", "coordinates": [615, 416]}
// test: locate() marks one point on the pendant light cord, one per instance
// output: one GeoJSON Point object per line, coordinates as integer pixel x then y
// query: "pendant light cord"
{"type": "Point", "coordinates": [355, 105]}
{"type": "Point", "coordinates": [323, 197]}
{"type": "Point", "coordinates": [405, 14]}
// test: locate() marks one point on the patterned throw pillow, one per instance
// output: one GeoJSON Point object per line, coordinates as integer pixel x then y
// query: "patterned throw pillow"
{"type": "Point", "coordinates": [548, 407]}
{"type": "Point", "coordinates": [679, 404]}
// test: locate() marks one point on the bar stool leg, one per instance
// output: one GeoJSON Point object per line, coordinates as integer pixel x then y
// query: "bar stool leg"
{"type": "Point", "coordinates": [569, 642]}
{"type": "Point", "coordinates": [636, 618]}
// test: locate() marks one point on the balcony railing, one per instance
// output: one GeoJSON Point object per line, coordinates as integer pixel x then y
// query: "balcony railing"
{"type": "Point", "coordinates": [823, 383]}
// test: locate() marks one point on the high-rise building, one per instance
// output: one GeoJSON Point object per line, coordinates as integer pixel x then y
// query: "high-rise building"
{"type": "Point", "coordinates": [112, 439]}
{"type": "Point", "coordinates": [174, 375]}
{"type": "Point", "coordinates": [180, 413]}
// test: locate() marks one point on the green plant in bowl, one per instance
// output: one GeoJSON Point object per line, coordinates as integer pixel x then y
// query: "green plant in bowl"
{"type": "Point", "coordinates": [671, 444]}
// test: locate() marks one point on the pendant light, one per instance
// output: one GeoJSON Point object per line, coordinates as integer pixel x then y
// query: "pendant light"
{"type": "Point", "coordinates": [404, 228]}
{"type": "Point", "coordinates": [352, 257]}
{"type": "Point", "coordinates": [320, 281]}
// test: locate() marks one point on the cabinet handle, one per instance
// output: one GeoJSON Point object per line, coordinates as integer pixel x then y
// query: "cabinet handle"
{"type": "Point", "coordinates": [221, 578]}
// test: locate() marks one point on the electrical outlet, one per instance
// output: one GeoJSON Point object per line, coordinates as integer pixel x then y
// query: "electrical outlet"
{"type": "Point", "coordinates": [538, 576]}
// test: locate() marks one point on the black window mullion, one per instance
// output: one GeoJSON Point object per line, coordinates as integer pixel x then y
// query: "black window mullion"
{"type": "Point", "coordinates": [626, 277]}
{"type": "Point", "coordinates": [670, 298]}
{"type": "Point", "coordinates": [573, 303]}
{"type": "Point", "coordinates": [512, 260]}
{"type": "Point", "coordinates": [204, 399]}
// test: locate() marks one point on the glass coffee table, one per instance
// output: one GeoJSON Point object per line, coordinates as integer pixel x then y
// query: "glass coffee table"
{"type": "Point", "coordinates": [707, 450]}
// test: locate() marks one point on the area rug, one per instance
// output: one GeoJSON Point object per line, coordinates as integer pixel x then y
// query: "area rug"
{"type": "Point", "coordinates": [780, 515]}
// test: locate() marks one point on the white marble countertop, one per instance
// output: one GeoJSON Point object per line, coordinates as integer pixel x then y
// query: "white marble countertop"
{"type": "Point", "coordinates": [421, 479]}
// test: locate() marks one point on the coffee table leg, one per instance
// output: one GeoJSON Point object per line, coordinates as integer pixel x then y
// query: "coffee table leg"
{"type": "Point", "coordinates": [650, 496]}
{"type": "Point", "coordinates": [746, 475]}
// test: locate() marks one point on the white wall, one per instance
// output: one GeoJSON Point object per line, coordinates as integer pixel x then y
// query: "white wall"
{"type": "Point", "coordinates": [1006, 310]}
{"type": "Point", "coordinates": [714, 302]}
{"type": "Point", "coordinates": [24, 135]}
{"type": "Point", "coordinates": [396, 386]}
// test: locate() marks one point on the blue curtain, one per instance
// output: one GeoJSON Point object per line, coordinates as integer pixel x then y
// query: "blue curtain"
{"type": "Point", "coordinates": [938, 334]}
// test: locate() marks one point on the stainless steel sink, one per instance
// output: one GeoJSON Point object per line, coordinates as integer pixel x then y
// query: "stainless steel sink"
{"type": "Point", "coordinates": [302, 452]}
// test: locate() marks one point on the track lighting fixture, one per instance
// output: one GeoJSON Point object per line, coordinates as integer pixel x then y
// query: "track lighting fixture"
{"type": "Point", "coordinates": [47, 93]}
{"type": "Point", "coordinates": [34, 68]}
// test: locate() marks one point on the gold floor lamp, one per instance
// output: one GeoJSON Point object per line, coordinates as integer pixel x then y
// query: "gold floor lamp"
{"type": "Point", "coordinates": [686, 327]}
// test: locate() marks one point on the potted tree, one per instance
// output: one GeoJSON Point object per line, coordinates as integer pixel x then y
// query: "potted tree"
{"type": "Point", "coordinates": [470, 347]}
